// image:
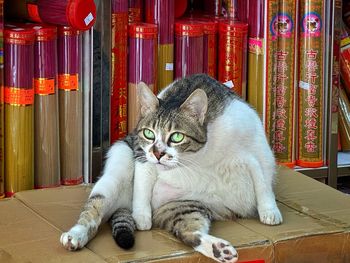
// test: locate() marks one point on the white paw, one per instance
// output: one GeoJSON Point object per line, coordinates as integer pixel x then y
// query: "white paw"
{"type": "Point", "coordinates": [143, 220]}
{"type": "Point", "coordinates": [270, 216]}
{"type": "Point", "coordinates": [76, 238]}
{"type": "Point", "coordinates": [217, 249]}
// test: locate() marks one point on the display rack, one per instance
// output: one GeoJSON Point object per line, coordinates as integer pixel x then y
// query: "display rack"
{"type": "Point", "coordinates": [337, 164]}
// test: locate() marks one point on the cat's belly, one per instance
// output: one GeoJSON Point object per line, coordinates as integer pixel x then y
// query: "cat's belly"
{"type": "Point", "coordinates": [164, 192]}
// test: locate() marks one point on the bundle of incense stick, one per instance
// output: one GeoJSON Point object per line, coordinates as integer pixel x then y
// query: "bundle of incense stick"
{"type": "Point", "coordinates": [22, 10]}
{"type": "Point", "coordinates": [255, 85]}
{"type": "Point", "coordinates": [180, 8]}
{"type": "Point", "coordinates": [70, 105]}
{"type": "Point", "coordinates": [344, 120]}
{"type": "Point", "coordinates": [311, 88]}
{"type": "Point", "coordinates": [162, 13]}
{"type": "Point", "coordinates": [345, 59]}
{"type": "Point", "coordinates": [46, 138]}
{"type": "Point", "coordinates": [79, 14]}
{"type": "Point", "coordinates": [233, 37]}
{"type": "Point", "coordinates": [283, 143]}
{"type": "Point", "coordinates": [119, 93]}
{"type": "Point", "coordinates": [270, 67]}
{"type": "Point", "coordinates": [188, 48]}
{"type": "Point", "coordinates": [212, 7]}
{"type": "Point", "coordinates": [2, 175]}
{"type": "Point", "coordinates": [209, 48]}
{"type": "Point", "coordinates": [143, 40]}
{"type": "Point", "coordinates": [135, 11]}
{"type": "Point", "coordinates": [19, 109]}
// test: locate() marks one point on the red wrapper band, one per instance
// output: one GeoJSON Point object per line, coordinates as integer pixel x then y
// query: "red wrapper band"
{"type": "Point", "coordinates": [19, 117]}
{"type": "Point", "coordinates": [233, 37]}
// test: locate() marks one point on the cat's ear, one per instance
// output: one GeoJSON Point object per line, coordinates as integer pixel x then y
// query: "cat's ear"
{"type": "Point", "coordinates": [196, 105]}
{"type": "Point", "coordinates": [147, 100]}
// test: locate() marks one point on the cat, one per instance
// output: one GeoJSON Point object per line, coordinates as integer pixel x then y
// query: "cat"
{"type": "Point", "coordinates": [198, 154]}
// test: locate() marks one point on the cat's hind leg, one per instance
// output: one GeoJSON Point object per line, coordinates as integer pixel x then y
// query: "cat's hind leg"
{"type": "Point", "coordinates": [112, 191]}
{"type": "Point", "coordinates": [190, 221]}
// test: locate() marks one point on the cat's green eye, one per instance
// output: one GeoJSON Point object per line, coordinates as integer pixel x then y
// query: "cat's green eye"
{"type": "Point", "coordinates": [148, 134]}
{"type": "Point", "coordinates": [177, 137]}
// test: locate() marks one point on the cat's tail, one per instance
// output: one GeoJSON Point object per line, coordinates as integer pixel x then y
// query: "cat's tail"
{"type": "Point", "coordinates": [123, 228]}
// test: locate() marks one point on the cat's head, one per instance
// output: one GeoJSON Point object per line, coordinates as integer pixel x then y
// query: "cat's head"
{"type": "Point", "coordinates": [170, 132]}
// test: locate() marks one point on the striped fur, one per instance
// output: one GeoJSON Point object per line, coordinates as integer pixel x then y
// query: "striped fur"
{"type": "Point", "coordinates": [183, 219]}
{"type": "Point", "coordinates": [123, 228]}
{"type": "Point", "coordinates": [86, 228]}
{"type": "Point", "coordinates": [190, 221]}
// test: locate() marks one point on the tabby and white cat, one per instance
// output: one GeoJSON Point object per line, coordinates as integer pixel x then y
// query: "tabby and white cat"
{"type": "Point", "coordinates": [199, 153]}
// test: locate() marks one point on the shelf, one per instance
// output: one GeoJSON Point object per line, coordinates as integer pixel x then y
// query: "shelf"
{"type": "Point", "coordinates": [315, 173]}
{"type": "Point", "coordinates": [343, 164]}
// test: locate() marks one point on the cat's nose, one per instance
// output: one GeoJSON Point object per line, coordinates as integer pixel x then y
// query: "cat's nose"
{"type": "Point", "coordinates": [158, 155]}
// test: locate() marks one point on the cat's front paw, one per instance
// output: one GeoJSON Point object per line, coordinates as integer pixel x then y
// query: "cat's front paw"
{"type": "Point", "coordinates": [143, 220]}
{"type": "Point", "coordinates": [270, 216]}
{"type": "Point", "coordinates": [75, 239]}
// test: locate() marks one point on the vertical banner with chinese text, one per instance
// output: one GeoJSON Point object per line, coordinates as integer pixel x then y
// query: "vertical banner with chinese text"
{"type": "Point", "coordinates": [310, 110]}
{"type": "Point", "coordinates": [283, 142]}
{"type": "Point", "coordinates": [118, 108]}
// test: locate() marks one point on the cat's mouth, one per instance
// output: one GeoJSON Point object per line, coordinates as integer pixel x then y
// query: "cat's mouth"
{"type": "Point", "coordinates": [164, 167]}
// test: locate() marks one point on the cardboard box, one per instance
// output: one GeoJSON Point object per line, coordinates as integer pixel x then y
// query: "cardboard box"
{"type": "Point", "coordinates": [316, 228]}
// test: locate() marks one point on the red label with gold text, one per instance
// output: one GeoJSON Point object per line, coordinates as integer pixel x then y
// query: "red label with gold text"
{"type": "Point", "coordinates": [68, 81]}
{"type": "Point", "coordinates": [16, 96]}
{"type": "Point", "coordinates": [44, 86]}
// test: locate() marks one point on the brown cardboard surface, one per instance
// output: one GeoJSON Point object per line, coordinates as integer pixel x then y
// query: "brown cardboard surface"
{"type": "Point", "coordinates": [315, 229]}
{"type": "Point", "coordinates": [61, 207]}
{"type": "Point", "coordinates": [26, 237]}
{"type": "Point", "coordinates": [313, 198]}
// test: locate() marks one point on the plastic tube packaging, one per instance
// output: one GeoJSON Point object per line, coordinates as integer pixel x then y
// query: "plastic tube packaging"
{"type": "Point", "coordinates": [255, 85]}
{"type": "Point", "coordinates": [142, 65]}
{"type": "Point", "coordinates": [212, 7]}
{"type": "Point", "coordinates": [162, 13]}
{"type": "Point", "coordinates": [2, 162]}
{"type": "Point", "coordinates": [119, 93]}
{"type": "Point", "coordinates": [79, 14]}
{"type": "Point", "coordinates": [19, 109]}
{"type": "Point", "coordinates": [46, 129]}
{"type": "Point", "coordinates": [345, 60]}
{"type": "Point", "coordinates": [70, 106]}
{"type": "Point", "coordinates": [310, 110]}
{"type": "Point", "coordinates": [210, 48]}
{"type": "Point", "coordinates": [344, 120]}
{"type": "Point", "coordinates": [233, 37]}
{"type": "Point", "coordinates": [188, 48]}
{"type": "Point", "coordinates": [283, 143]}
{"type": "Point", "coordinates": [135, 11]}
